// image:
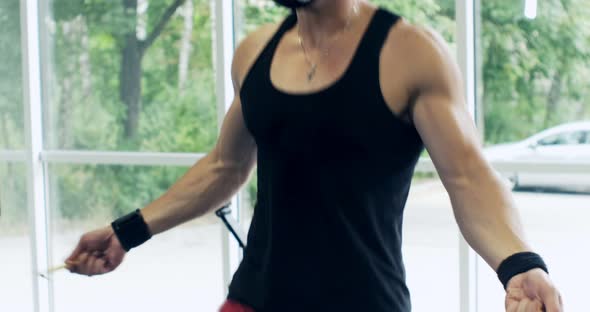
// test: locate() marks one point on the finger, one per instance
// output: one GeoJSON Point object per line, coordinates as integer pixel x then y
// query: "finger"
{"type": "Point", "coordinates": [511, 306]}
{"type": "Point", "coordinates": [78, 250]}
{"type": "Point", "coordinates": [534, 306]}
{"type": "Point", "coordinates": [92, 265]}
{"type": "Point", "coordinates": [551, 299]}
{"type": "Point", "coordinates": [523, 305]}
{"type": "Point", "coordinates": [82, 266]}
{"type": "Point", "coordinates": [72, 266]}
{"type": "Point", "coordinates": [98, 266]}
{"type": "Point", "coordinates": [101, 266]}
{"type": "Point", "coordinates": [108, 266]}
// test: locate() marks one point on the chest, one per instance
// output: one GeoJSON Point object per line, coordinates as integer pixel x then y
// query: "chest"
{"type": "Point", "coordinates": [337, 127]}
{"type": "Point", "coordinates": [348, 114]}
{"type": "Point", "coordinates": [291, 65]}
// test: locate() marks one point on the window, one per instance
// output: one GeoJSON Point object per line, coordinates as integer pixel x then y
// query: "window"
{"type": "Point", "coordinates": [15, 240]}
{"type": "Point", "coordinates": [113, 83]}
{"type": "Point", "coordinates": [568, 138]}
{"type": "Point", "coordinates": [530, 72]}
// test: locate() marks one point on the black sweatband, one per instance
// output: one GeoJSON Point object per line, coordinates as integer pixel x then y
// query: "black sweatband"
{"type": "Point", "coordinates": [131, 230]}
{"type": "Point", "coordinates": [519, 263]}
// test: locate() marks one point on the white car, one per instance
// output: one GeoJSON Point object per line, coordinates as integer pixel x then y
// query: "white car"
{"type": "Point", "coordinates": [567, 143]}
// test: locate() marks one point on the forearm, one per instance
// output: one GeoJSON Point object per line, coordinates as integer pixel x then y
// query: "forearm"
{"type": "Point", "coordinates": [208, 185]}
{"type": "Point", "coordinates": [486, 215]}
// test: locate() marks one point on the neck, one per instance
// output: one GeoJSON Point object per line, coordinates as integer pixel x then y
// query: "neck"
{"type": "Point", "coordinates": [324, 18]}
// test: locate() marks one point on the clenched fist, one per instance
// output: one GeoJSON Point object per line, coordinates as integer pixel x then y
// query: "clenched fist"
{"type": "Point", "coordinates": [532, 291]}
{"type": "Point", "coordinates": [98, 252]}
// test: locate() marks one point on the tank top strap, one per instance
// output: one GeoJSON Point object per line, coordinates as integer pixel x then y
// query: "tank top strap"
{"type": "Point", "coordinates": [286, 25]}
{"type": "Point", "coordinates": [268, 52]}
{"type": "Point", "coordinates": [382, 23]}
{"type": "Point", "coordinates": [262, 64]}
{"type": "Point", "coordinates": [366, 61]}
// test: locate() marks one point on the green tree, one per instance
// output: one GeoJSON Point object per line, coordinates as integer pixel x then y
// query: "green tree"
{"type": "Point", "coordinates": [531, 68]}
{"type": "Point", "coordinates": [11, 108]}
{"type": "Point", "coordinates": [119, 21]}
{"type": "Point", "coordinates": [85, 112]}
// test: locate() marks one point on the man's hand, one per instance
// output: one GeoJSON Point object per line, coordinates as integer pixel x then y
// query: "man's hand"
{"type": "Point", "coordinates": [98, 252]}
{"type": "Point", "coordinates": [532, 291]}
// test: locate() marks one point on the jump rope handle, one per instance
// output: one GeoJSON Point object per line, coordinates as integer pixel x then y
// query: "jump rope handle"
{"type": "Point", "coordinates": [224, 213]}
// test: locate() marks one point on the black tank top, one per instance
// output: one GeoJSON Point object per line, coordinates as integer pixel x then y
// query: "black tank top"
{"type": "Point", "coordinates": [334, 171]}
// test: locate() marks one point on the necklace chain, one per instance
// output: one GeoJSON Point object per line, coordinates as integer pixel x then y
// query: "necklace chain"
{"type": "Point", "coordinates": [325, 52]}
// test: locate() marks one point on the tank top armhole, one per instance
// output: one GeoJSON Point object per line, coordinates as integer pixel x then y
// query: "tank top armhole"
{"type": "Point", "coordinates": [391, 20]}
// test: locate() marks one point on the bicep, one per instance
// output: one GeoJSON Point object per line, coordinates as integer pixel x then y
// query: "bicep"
{"type": "Point", "coordinates": [441, 116]}
{"type": "Point", "coordinates": [449, 134]}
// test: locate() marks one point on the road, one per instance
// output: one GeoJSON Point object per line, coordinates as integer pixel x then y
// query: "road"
{"type": "Point", "coordinates": [181, 270]}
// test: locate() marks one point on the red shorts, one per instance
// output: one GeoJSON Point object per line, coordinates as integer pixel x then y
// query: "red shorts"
{"type": "Point", "coordinates": [232, 306]}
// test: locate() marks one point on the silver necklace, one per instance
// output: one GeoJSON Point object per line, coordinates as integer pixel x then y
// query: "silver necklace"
{"type": "Point", "coordinates": [313, 66]}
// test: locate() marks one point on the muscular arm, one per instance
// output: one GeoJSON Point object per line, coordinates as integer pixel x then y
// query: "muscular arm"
{"type": "Point", "coordinates": [483, 206]}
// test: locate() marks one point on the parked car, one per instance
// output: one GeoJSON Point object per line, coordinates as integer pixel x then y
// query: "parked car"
{"type": "Point", "coordinates": [566, 143]}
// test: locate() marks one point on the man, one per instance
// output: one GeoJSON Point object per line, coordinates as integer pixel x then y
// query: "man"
{"type": "Point", "coordinates": [335, 105]}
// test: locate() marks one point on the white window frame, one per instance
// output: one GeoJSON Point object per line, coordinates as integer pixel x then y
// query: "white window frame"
{"type": "Point", "coordinates": [466, 57]}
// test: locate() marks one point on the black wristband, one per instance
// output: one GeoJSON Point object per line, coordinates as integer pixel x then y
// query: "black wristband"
{"type": "Point", "coordinates": [519, 263]}
{"type": "Point", "coordinates": [131, 230]}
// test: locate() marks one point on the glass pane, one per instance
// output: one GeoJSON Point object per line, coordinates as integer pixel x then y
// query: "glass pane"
{"type": "Point", "coordinates": [431, 251]}
{"type": "Point", "coordinates": [430, 232]}
{"type": "Point", "coordinates": [178, 270]}
{"type": "Point", "coordinates": [534, 97]}
{"type": "Point", "coordinates": [251, 14]}
{"type": "Point", "coordinates": [109, 86]}
{"type": "Point", "coordinates": [11, 101]}
{"type": "Point", "coordinates": [15, 244]}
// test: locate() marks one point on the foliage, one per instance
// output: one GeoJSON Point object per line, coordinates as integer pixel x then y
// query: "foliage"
{"type": "Point", "coordinates": [533, 70]}
{"type": "Point", "coordinates": [105, 192]}
{"type": "Point", "coordinates": [11, 109]}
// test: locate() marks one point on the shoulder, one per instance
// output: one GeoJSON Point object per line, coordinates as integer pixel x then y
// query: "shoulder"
{"type": "Point", "coordinates": [426, 56]}
{"type": "Point", "coordinates": [416, 40]}
{"type": "Point", "coordinates": [248, 51]}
